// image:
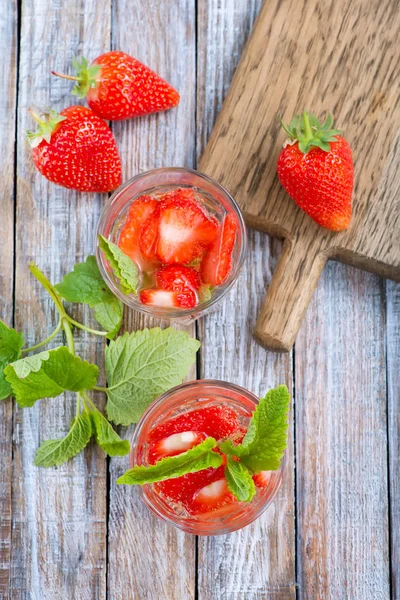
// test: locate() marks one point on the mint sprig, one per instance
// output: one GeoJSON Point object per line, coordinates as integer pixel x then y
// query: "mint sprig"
{"type": "Point", "coordinates": [261, 450]}
{"type": "Point", "coordinates": [86, 285]}
{"type": "Point", "coordinates": [147, 364]}
{"type": "Point", "coordinates": [122, 265]}
{"type": "Point", "coordinates": [196, 459]}
{"type": "Point", "coordinates": [266, 438]}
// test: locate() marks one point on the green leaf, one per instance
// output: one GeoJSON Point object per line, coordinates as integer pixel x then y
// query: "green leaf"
{"type": "Point", "coordinates": [87, 77]}
{"type": "Point", "coordinates": [55, 452]}
{"type": "Point", "coordinates": [205, 292]}
{"type": "Point", "coordinates": [239, 480]}
{"type": "Point", "coordinates": [310, 133]}
{"type": "Point", "coordinates": [124, 268]}
{"type": "Point", "coordinates": [266, 438]}
{"type": "Point", "coordinates": [142, 365]}
{"type": "Point", "coordinates": [48, 374]}
{"type": "Point", "coordinates": [328, 122]}
{"type": "Point", "coordinates": [107, 438]}
{"type": "Point", "coordinates": [11, 343]}
{"type": "Point", "coordinates": [196, 459]}
{"type": "Point", "coordinates": [86, 285]}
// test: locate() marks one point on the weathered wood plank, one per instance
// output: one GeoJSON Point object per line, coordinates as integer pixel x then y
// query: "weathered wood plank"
{"type": "Point", "coordinates": [281, 73]}
{"type": "Point", "coordinates": [148, 559]}
{"type": "Point", "coordinates": [342, 516]}
{"type": "Point", "coordinates": [59, 515]}
{"type": "Point", "coordinates": [393, 396]}
{"type": "Point", "coordinates": [257, 562]}
{"type": "Point", "coordinates": [8, 74]}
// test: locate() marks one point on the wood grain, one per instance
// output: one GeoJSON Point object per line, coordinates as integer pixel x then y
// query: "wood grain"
{"type": "Point", "coordinates": [147, 558]}
{"type": "Point", "coordinates": [348, 61]}
{"type": "Point", "coordinates": [393, 398]}
{"type": "Point", "coordinates": [257, 562]}
{"type": "Point", "coordinates": [59, 514]}
{"type": "Point", "coordinates": [8, 77]}
{"type": "Point", "coordinates": [341, 441]}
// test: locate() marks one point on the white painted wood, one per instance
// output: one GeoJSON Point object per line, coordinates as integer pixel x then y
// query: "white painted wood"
{"type": "Point", "coordinates": [258, 561]}
{"type": "Point", "coordinates": [59, 529]}
{"type": "Point", "coordinates": [341, 441]}
{"type": "Point", "coordinates": [59, 514]}
{"type": "Point", "coordinates": [8, 49]}
{"type": "Point", "coordinates": [148, 559]}
{"type": "Point", "coordinates": [393, 398]}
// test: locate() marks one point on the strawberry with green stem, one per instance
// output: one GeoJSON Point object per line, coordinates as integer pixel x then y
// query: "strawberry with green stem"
{"type": "Point", "coordinates": [76, 149]}
{"type": "Point", "coordinates": [315, 167]}
{"type": "Point", "coordinates": [118, 86]}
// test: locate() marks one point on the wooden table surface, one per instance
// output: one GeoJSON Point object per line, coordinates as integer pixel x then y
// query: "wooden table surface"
{"type": "Point", "coordinates": [69, 533]}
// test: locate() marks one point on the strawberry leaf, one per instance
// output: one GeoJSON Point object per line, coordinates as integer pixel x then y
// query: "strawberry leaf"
{"type": "Point", "coordinates": [196, 459]}
{"type": "Point", "coordinates": [310, 133]}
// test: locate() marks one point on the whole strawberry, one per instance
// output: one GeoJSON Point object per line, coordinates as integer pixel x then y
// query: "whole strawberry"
{"type": "Point", "coordinates": [315, 167]}
{"type": "Point", "coordinates": [117, 86]}
{"type": "Point", "coordinates": [77, 150]}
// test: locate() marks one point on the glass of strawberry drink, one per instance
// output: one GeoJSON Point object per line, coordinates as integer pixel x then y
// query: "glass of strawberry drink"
{"type": "Point", "coordinates": [208, 419]}
{"type": "Point", "coordinates": [185, 234]}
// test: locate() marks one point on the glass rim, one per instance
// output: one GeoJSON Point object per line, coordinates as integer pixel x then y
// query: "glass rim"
{"type": "Point", "coordinates": [168, 313]}
{"type": "Point", "coordinates": [191, 524]}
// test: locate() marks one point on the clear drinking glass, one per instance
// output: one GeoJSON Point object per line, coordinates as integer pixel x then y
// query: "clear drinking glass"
{"type": "Point", "coordinates": [216, 200]}
{"type": "Point", "coordinates": [181, 399]}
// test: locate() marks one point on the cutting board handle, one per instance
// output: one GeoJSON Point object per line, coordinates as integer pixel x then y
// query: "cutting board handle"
{"type": "Point", "coordinates": [289, 294]}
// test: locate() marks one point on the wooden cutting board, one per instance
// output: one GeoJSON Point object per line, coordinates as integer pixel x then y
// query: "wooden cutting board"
{"type": "Point", "coordinates": [335, 56]}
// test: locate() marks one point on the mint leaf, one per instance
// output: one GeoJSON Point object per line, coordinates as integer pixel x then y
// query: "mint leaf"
{"type": "Point", "coordinates": [55, 452]}
{"type": "Point", "coordinates": [142, 365]}
{"type": "Point", "coordinates": [11, 343]}
{"type": "Point", "coordinates": [86, 285]}
{"type": "Point", "coordinates": [196, 459]}
{"type": "Point", "coordinates": [124, 268]}
{"type": "Point", "coordinates": [239, 480]}
{"type": "Point", "coordinates": [205, 292]}
{"type": "Point", "coordinates": [48, 374]}
{"type": "Point", "coordinates": [109, 315]}
{"type": "Point", "coordinates": [266, 438]}
{"type": "Point", "coordinates": [107, 438]}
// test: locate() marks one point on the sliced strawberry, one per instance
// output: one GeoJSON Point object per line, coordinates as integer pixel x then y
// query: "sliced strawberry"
{"type": "Point", "coordinates": [139, 212]}
{"type": "Point", "coordinates": [168, 298]}
{"type": "Point", "coordinates": [217, 262]}
{"type": "Point", "coordinates": [262, 479]}
{"type": "Point", "coordinates": [155, 297]}
{"type": "Point", "coordinates": [175, 444]}
{"type": "Point", "coordinates": [148, 236]}
{"type": "Point", "coordinates": [217, 421]}
{"type": "Point", "coordinates": [182, 489]}
{"type": "Point", "coordinates": [179, 230]}
{"type": "Point", "coordinates": [213, 496]}
{"type": "Point", "coordinates": [178, 278]}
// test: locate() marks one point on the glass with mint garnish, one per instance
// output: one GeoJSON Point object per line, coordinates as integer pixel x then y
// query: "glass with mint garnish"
{"type": "Point", "coordinates": [208, 456]}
